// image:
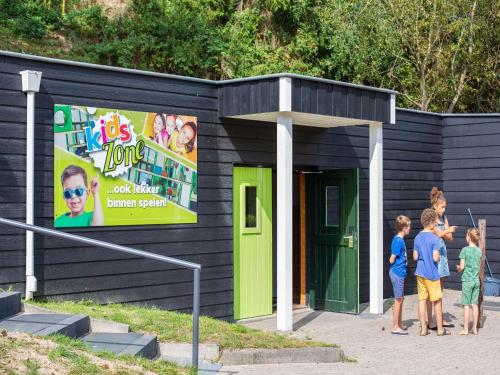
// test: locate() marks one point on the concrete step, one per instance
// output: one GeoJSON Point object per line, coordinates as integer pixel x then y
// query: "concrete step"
{"type": "Point", "coordinates": [96, 325]}
{"type": "Point", "coordinates": [10, 304]}
{"type": "Point", "coordinates": [204, 367]}
{"type": "Point", "coordinates": [124, 343]}
{"type": "Point", "coordinates": [172, 350]}
{"type": "Point", "coordinates": [45, 324]}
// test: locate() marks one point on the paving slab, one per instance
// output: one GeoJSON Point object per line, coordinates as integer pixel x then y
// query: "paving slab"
{"type": "Point", "coordinates": [47, 324]}
{"type": "Point", "coordinates": [96, 325]}
{"type": "Point", "coordinates": [124, 343]}
{"type": "Point", "coordinates": [370, 343]}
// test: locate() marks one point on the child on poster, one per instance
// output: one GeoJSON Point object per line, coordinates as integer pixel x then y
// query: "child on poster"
{"type": "Point", "coordinates": [161, 130]}
{"type": "Point", "coordinates": [75, 194]}
{"type": "Point", "coordinates": [183, 140]}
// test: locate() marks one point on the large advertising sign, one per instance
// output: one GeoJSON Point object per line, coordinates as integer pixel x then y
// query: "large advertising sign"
{"type": "Point", "coordinates": [116, 167]}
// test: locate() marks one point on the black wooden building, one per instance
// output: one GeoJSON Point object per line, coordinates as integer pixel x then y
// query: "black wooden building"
{"type": "Point", "coordinates": [237, 128]}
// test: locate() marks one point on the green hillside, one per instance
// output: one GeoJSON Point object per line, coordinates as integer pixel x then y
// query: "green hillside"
{"type": "Point", "coordinates": [440, 55]}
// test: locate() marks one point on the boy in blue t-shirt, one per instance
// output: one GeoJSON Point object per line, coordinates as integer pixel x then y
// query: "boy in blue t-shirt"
{"type": "Point", "coordinates": [397, 273]}
{"type": "Point", "coordinates": [427, 253]}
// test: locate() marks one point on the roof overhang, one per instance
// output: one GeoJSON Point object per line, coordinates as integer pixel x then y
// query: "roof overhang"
{"type": "Point", "coordinates": [306, 119]}
{"type": "Point", "coordinates": [308, 101]}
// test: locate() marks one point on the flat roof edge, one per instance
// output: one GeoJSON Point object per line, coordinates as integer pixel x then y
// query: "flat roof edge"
{"type": "Point", "coordinates": [184, 78]}
{"type": "Point", "coordinates": [309, 78]}
{"type": "Point", "coordinates": [102, 67]}
{"type": "Point", "coordinates": [493, 114]}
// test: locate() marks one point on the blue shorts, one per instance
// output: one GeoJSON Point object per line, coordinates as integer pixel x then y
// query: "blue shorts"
{"type": "Point", "coordinates": [398, 284]}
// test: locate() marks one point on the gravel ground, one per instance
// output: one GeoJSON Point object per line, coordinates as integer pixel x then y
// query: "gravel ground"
{"type": "Point", "coordinates": [368, 340]}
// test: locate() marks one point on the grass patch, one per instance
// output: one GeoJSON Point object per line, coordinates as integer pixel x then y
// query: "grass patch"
{"type": "Point", "coordinates": [177, 327]}
{"type": "Point", "coordinates": [75, 354]}
{"type": "Point", "coordinates": [25, 354]}
{"type": "Point", "coordinates": [32, 367]}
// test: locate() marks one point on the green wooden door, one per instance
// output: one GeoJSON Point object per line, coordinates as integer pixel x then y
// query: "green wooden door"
{"type": "Point", "coordinates": [252, 226]}
{"type": "Point", "coordinates": [333, 240]}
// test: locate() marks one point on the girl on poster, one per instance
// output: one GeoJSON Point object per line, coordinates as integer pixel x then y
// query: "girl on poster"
{"type": "Point", "coordinates": [183, 140]}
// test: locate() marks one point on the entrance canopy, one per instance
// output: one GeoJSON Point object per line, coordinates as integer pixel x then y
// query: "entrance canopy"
{"type": "Point", "coordinates": [311, 101]}
{"type": "Point", "coordinates": [289, 99]}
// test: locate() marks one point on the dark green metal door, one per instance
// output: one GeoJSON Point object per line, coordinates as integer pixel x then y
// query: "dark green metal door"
{"type": "Point", "coordinates": [333, 240]}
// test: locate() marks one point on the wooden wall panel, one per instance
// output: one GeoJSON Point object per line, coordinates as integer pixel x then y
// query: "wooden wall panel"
{"type": "Point", "coordinates": [471, 178]}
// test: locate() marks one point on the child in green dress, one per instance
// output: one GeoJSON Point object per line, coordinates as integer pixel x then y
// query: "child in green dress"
{"type": "Point", "coordinates": [470, 262]}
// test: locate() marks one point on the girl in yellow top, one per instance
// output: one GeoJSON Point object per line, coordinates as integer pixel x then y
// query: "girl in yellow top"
{"type": "Point", "coordinates": [183, 141]}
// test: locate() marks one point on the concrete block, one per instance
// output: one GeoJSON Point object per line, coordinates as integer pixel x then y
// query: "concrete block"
{"type": "Point", "coordinates": [100, 325]}
{"type": "Point", "coordinates": [10, 304]}
{"type": "Point", "coordinates": [184, 350]}
{"type": "Point", "coordinates": [275, 356]}
{"type": "Point", "coordinates": [47, 324]}
{"type": "Point", "coordinates": [96, 325]}
{"type": "Point", "coordinates": [204, 367]}
{"type": "Point", "coordinates": [124, 343]}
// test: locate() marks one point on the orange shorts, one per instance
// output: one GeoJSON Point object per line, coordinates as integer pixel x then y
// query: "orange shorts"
{"type": "Point", "coordinates": [428, 289]}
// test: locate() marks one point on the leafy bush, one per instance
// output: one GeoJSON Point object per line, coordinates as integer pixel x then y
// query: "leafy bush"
{"type": "Point", "coordinates": [28, 18]}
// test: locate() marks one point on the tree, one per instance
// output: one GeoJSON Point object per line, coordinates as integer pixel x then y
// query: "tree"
{"type": "Point", "coordinates": [439, 44]}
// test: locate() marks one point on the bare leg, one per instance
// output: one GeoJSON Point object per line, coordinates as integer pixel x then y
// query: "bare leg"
{"type": "Point", "coordinates": [465, 331]}
{"type": "Point", "coordinates": [475, 318]}
{"type": "Point", "coordinates": [429, 313]}
{"type": "Point", "coordinates": [421, 316]}
{"type": "Point", "coordinates": [400, 318]}
{"type": "Point", "coordinates": [441, 281]}
{"type": "Point", "coordinates": [438, 312]}
{"type": "Point", "coordinates": [396, 312]}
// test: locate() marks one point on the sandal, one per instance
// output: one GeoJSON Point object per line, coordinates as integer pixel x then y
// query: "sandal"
{"type": "Point", "coordinates": [423, 333]}
{"type": "Point", "coordinates": [445, 332]}
{"type": "Point", "coordinates": [403, 333]}
{"type": "Point", "coordinates": [432, 328]}
{"type": "Point", "coordinates": [448, 325]}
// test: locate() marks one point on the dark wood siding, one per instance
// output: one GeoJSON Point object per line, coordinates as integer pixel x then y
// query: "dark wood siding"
{"type": "Point", "coordinates": [67, 270]}
{"type": "Point", "coordinates": [412, 166]}
{"type": "Point", "coordinates": [322, 98]}
{"type": "Point", "coordinates": [249, 96]}
{"type": "Point", "coordinates": [471, 175]}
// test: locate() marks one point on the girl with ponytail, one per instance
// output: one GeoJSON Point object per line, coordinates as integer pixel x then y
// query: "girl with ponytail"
{"type": "Point", "coordinates": [445, 232]}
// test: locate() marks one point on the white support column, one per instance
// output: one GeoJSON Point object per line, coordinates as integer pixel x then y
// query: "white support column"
{"type": "Point", "coordinates": [392, 114]}
{"type": "Point", "coordinates": [376, 219]}
{"type": "Point", "coordinates": [284, 206]}
{"type": "Point", "coordinates": [30, 85]}
{"type": "Point", "coordinates": [284, 223]}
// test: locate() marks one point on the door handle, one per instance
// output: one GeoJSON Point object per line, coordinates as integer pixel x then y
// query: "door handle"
{"type": "Point", "coordinates": [350, 241]}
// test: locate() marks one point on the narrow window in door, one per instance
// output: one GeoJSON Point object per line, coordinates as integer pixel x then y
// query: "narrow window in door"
{"type": "Point", "coordinates": [250, 206]}
{"type": "Point", "coordinates": [332, 211]}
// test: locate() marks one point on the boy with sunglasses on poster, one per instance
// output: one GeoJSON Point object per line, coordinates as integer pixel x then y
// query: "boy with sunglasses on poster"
{"type": "Point", "coordinates": [75, 194]}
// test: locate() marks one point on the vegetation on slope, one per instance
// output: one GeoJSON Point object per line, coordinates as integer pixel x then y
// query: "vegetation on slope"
{"type": "Point", "coordinates": [440, 55]}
